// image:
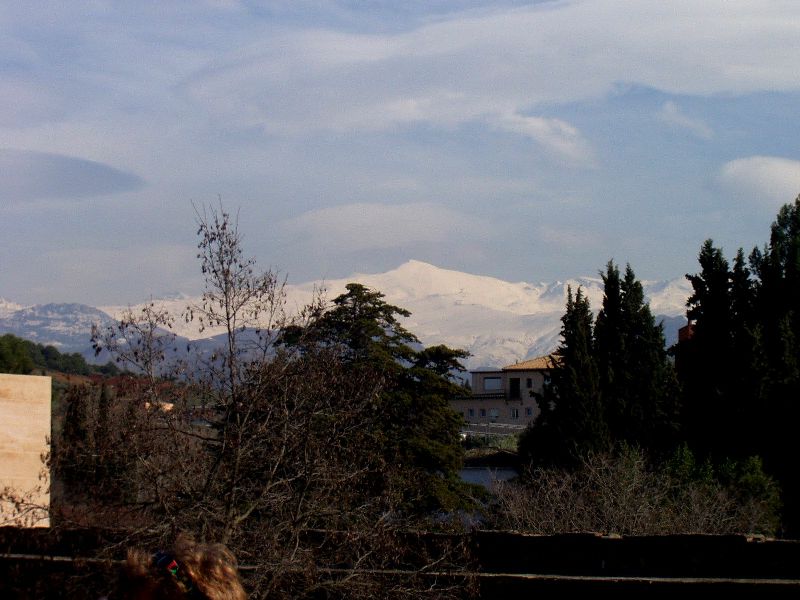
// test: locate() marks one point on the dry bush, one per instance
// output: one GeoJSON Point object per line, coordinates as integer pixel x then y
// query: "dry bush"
{"type": "Point", "coordinates": [622, 494]}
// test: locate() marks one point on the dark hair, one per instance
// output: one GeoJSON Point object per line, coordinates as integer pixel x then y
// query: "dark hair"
{"type": "Point", "coordinates": [187, 571]}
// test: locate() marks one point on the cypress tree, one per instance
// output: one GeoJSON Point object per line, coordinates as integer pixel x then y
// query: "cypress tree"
{"type": "Point", "coordinates": [704, 359]}
{"type": "Point", "coordinates": [637, 379]}
{"type": "Point", "coordinates": [572, 423]}
{"type": "Point", "coordinates": [610, 350]}
{"type": "Point", "coordinates": [649, 386]}
{"type": "Point", "coordinates": [741, 369]}
{"type": "Point", "coordinates": [777, 313]}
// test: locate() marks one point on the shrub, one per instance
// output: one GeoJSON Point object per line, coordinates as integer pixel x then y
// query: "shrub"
{"type": "Point", "coordinates": [621, 493]}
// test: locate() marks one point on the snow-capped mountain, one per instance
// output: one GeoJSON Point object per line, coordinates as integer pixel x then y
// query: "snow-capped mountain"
{"type": "Point", "coordinates": [68, 327]}
{"type": "Point", "coordinates": [498, 322]}
{"type": "Point", "coordinates": [8, 308]}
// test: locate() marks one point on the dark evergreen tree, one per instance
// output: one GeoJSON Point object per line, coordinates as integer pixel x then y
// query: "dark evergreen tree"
{"type": "Point", "coordinates": [637, 379]}
{"type": "Point", "coordinates": [369, 329]}
{"type": "Point", "coordinates": [744, 372]}
{"type": "Point", "coordinates": [419, 429]}
{"type": "Point", "coordinates": [776, 409]}
{"type": "Point", "coordinates": [72, 449]}
{"type": "Point", "coordinates": [610, 350]}
{"type": "Point", "coordinates": [572, 422]}
{"type": "Point", "coordinates": [741, 368]}
{"type": "Point", "coordinates": [777, 270]}
{"type": "Point", "coordinates": [704, 360]}
{"type": "Point", "coordinates": [102, 434]}
{"type": "Point", "coordinates": [650, 387]}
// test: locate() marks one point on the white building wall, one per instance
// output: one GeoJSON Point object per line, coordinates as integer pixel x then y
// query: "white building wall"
{"type": "Point", "coordinates": [24, 439]}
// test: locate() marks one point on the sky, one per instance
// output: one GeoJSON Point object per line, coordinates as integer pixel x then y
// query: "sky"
{"type": "Point", "coordinates": [529, 141]}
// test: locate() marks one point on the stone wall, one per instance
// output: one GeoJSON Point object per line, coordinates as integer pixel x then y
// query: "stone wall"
{"type": "Point", "coordinates": [45, 563]}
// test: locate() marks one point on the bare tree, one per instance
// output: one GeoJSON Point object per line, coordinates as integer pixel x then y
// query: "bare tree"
{"type": "Point", "coordinates": [272, 450]}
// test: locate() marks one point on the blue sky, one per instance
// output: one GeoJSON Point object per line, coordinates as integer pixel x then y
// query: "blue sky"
{"type": "Point", "coordinates": [525, 140]}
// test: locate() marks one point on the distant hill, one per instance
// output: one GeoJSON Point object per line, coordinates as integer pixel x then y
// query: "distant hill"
{"type": "Point", "coordinates": [21, 356]}
{"type": "Point", "coordinates": [498, 322]}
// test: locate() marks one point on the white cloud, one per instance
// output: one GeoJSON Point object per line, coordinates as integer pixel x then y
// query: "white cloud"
{"type": "Point", "coordinates": [361, 226]}
{"type": "Point", "coordinates": [144, 79]}
{"type": "Point", "coordinates": [555, 135]}
{"type": "Point", "coordinates": [482, 67]}
{"type": "Point", "coordinates": [672, 114]}
{"type": "Point", "coordinates": [774, 178]}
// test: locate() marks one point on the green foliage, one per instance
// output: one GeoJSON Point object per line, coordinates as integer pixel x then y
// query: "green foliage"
{"type": "Point", "coordinates": [751, 483]}
{"type": "Point", "coordinates": [368, 329]}
{"type": "Point", "coordinates": [498, 441]}
{"type": "Point", "coordinates": [23, 356]}
{"type": "Point", "coordinates": [683, 466]}
{"type": "Point", "coordinates": [14, 355]}
{"type": "Point", "coordinates": [704, 361]}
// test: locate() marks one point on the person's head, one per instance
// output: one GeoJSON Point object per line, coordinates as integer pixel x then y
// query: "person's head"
{"type": "Point", "coordinates": [188, 571]}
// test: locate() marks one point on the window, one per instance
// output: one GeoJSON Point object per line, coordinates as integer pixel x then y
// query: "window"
{"type": "Point", "coordinates": [492, 384]}
{"type": "Point", "coordinates": [493, 413]}
{"type": "Point", "coordinates": [529, 411]}
{"type": "Point", "coordinates": [529, 383]}
{"type": "Point", "coordinates": [483, 412]}
{"type": "Point", "coordinates": [514, 391]}
{"type": "Point", "coordinates": [515, 413]}
{"type": "Point", "coordinates": [471, 412]}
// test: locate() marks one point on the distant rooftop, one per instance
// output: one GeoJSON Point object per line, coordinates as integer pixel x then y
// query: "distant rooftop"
{"type": "Point", "coordinates": [538, 363]}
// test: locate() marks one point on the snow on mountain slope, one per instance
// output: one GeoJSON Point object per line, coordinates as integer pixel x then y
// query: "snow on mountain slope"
{"type": "Point", "coordinates": [65, 326]}
{"type": "Point", "coordinates": [498, 322]}
{"type": "Point", "coordinates": [177, 306]}
{"type": "Point", "coordinates": [7, 308]}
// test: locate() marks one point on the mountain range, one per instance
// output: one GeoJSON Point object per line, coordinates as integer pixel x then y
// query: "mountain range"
{"type": "Point", "coordinates": [498, 322]}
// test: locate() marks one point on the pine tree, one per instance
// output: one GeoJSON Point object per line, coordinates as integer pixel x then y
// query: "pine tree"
{"type": "Point", "coordinates": [420, 432]}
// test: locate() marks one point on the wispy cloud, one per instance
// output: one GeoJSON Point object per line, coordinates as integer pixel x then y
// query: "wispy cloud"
{"type": "Point", "coordinates": [472, 67]}
{"type": "Point", "coordinates": [554, 135]}
{"type": "Point", "coordinates": [439, 110]}
{"type": "Point", "coordinates": [764, 177]}
{"type": "Point", "coordinates": [362, 226]}
{"type": "Point", "coordinates": [671, 113]}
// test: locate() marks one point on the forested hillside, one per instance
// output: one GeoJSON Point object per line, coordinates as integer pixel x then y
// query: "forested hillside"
{"type": "Point", "coordinates": [24, 357]}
